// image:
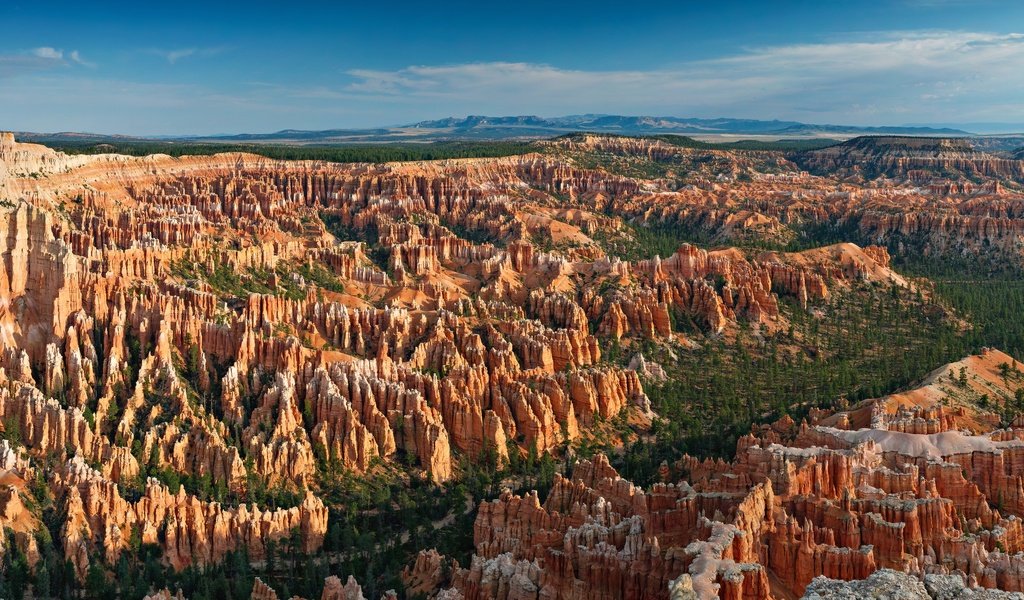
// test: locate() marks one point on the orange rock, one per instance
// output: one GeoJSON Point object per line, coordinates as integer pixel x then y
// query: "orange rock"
{"type": "Point", "coordinates": [198, 313]}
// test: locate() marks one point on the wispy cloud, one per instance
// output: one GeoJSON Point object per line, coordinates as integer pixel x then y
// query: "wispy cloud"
{"type": "Point", "coordinates": [64, 102]}
{"type": "Point", "coordinates": [39, 59]}
{"type": "Point", "coordinates": [177, 54]}
{"type": "Point", "coordinates": [76, 58]}
{"type": "Point", "coordinates": [48, 53]}
{"type": "Point", "coordinates": [174, 56]}
{"type": "Point", "coordinates": [879, 76]}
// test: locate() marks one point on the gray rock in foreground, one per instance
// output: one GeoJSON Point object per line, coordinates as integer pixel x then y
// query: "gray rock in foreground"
{"type": "Point", "coordinates": [951, 587]}
{"type": "Point", "coordinates": [886, 584]}
{"type": "Point", "coordinates": [882, 584]}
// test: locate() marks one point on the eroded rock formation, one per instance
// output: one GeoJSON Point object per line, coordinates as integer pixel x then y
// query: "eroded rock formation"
{"type": "Point", "coordinates": [801, 506]}
{"type": "Point", "coordinates": [242, 323]}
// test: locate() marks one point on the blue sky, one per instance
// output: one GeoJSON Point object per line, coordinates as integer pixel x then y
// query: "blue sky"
{"type": "Point", "coordinates": [210, 67]}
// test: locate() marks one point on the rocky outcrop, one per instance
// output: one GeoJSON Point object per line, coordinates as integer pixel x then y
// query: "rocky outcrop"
{"type": "Point", "coordinates": [164, 594]}
{"type": "Point", "coordinates": [881, 584]}
{"type": "Point", "coordinates": [18, 519]}
{"type": "Point", "coordinates": [206, 317]}
{"type": "Point", "coordinates": [240, 324]}
{"type": "Point", "coordinates": [597, 536]}
{"type": "Point", "coordinates": [886, 583]}
{"type": "Point", "coordinates": [952, 587]}
{"type": "Point", "coordinates": [916, 159]}
{"type": "Point", "coordinates": [428, 573]}
{"type": "Point", "coordinates": [189, 531]}
{"type": "Point", "coordinates": [810, 509]}
{"type": "Point", "coordinates": [333, 590]}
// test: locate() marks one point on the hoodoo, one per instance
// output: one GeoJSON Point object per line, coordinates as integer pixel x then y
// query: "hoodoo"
{"type": "Point", "coordinates": [229, 361]}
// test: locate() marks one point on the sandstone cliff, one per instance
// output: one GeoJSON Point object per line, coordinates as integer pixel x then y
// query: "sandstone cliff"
{"type": "Point", "coordinates": [237, 322]}
{"type": "Point", "coordinates": [907, 491]}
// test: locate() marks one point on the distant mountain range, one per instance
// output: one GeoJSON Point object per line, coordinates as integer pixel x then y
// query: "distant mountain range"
{"type": "Point", "coordinates": [476, 127]}
{"type": "Point", "coordinates": [672, 125]}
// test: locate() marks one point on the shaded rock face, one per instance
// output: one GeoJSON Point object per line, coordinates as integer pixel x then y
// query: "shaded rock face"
{"type": "Point", "coordinates": [196, 315]}
{"type": "Point", "coordinates": [917, 159]}
{"type": "Point", "coordinates": [333, 590]}
{"type": "Point", "coordinates": [944, 219]}
{"type": "Point", "coordinates": [936, 197]}
{"type": "Point", "coordinates": [16, 515]}
{"type": "Point", "coordinates": [108, 303]}
{"type": "Point", "coordinates": [191, 532]}
{"type": "Point", "coordinates": [164, 594]}
{"type": "Point", "coordinates": [242, 321]}
{"type": "Point", "coordinates": [817, 509]}
{"type": "Point", "coordinates": [598, 536]}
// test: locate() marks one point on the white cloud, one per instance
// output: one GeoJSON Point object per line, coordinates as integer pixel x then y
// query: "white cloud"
{"type": "Point", "coordinates": [174, 55]}
{"type": "Point", "coordinates": [891, 77]}
{"type": "Point", "coordinates": [38, 59]}
{"type": "Point", "coordinates": [875, 79]}
{"type": "Point", "coordinates": [76, 58]}
{"type": "Point", "coordinates": [48, 53]}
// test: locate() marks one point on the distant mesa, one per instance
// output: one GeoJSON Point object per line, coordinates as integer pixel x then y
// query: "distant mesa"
{"type": "Point", "coordinates": [650, 124]}
{"type": "Point", "coordinates": [480, 127]}
{"type": "Point", "coordinates": [914, 158]}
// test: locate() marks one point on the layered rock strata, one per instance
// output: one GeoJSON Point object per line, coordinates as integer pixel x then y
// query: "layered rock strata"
{"type": "Point", "coordinates": [802, 509]}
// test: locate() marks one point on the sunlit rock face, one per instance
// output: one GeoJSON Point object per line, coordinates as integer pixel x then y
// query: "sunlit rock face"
{"type": "Point", "coordinates": [923, 501]}
{"type": "Point", "coordinates": [243, 321]}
